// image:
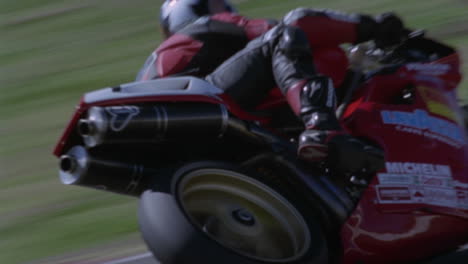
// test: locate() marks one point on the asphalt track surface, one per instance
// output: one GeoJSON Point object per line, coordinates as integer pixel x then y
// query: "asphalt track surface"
{"type": "Point", "coordinates": [146, 258]}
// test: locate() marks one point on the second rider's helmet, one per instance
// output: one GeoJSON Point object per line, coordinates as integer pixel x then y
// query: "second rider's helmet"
{"type": "Point", "coordinates": [175, 14]}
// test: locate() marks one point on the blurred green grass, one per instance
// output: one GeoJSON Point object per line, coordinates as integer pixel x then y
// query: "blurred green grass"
{"type": "Point", "coordinates": [53, 51]}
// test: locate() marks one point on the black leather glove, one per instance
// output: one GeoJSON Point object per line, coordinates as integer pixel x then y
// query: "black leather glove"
{"type": "Point", "coordinates": [389, 30]}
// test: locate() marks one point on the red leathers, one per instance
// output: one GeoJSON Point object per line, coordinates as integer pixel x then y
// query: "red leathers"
{"type": "Point", "coordinates": [285, 56]}
{"type": "Point", "coordinates": [200, 47]}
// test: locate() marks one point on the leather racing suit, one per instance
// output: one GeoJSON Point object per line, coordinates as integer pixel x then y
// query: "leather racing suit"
{"type": "Point", "coordinates": [201, 46]}
{"type": "Point", "coordinates": [299, 55]}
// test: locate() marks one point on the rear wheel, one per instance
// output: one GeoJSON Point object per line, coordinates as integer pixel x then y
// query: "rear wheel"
{"type": "Point", "coordinates": [215, 213]}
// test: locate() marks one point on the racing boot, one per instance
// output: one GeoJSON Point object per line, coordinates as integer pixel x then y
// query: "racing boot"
{"type": "Point", "coordinates": [314, 101]}
{"type": "Point", "coordinates": [324, 139]}
{"type": "Point", "coordinates": [321, 128]}
{"type": "Point", "coordinates": [312, 98]}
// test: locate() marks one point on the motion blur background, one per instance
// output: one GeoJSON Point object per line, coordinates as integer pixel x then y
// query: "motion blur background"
{"type": "Point", "coordinates": [52, 51]}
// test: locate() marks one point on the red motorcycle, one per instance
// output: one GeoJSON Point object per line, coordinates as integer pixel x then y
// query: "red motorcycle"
{"type": "Point", "coordinates": [221, 185]}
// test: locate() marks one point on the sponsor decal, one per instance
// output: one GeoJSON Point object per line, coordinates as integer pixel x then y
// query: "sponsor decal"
{"type": "Point", "coordinates": [421, 183]}
{"type": "Point", "coordinates": [460, 184]}
{"type": "Point", "coordinates": [462, 197]}
{"type": "Point", "coordinates": [439, 103]}
{"type": "Point", "coordinates": [386, 178]}
{"type": "Point", "coordinates": [421, 123]}
{"type": "Point", "coordinates": [388, 194]}
{"type": "Point", "coordinates": [417, 194]}
{"type": "Point", "coordinates": [440, 196]}
{"type": "Point", "coordinates": [418, 168]}
{"type": "Point", "coordinates": [394, 194]}
{"type": "Point", "coordinates": [433, 181]}
{"type": "Point", "coordinates": [429, 69]}
{"type": "Point", "coordinates": [121, 116]}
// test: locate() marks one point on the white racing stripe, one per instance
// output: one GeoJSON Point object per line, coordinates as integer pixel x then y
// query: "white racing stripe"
{"type": "Point", "coordinates": [133, 258]}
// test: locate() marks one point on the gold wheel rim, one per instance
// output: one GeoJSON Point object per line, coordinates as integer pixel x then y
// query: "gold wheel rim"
{"type": "Point", "coordinates": [244, 215]}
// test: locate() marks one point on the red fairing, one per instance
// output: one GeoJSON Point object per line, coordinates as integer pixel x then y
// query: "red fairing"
{"type": "Point", "coordinates": [274, 100]}
{"type": "Point", "coordinates": [175, 54]}
{"type": "Point", "coordinates": [453, 75]}
{"type": "Point", "coordinates": [253, 27]}
{"type": "Point", "coordinates": [418, 205]}
{"type": "Point", "coordinates": [65, 140]}
{"type": "Point", "coordinates": [370, 236]}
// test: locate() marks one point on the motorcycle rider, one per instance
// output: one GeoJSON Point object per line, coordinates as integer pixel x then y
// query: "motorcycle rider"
{"type": "Point", "coordinates": [200, 35]}
{"type": "Point", "coordinates": [302, 56]}
{"type": "Point", "coordinates": [295, 55]}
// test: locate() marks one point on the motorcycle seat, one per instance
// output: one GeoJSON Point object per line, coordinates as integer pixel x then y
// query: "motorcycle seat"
{"type": "Point", "coordinates": [165, 86]}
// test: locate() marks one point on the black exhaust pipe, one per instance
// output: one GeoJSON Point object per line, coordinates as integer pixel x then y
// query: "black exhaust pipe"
{"type": "Point", "coordinates": [78, 167]}
{"type": "Point", "coordinates": [152, 123]}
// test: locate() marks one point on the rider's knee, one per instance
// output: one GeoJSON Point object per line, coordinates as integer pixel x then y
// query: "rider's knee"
{"type": "Point", "coordinates": [294, 43]}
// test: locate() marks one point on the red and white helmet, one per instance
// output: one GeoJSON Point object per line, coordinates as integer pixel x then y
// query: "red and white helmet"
{"type": "Point", "coordinates": [175, 14]}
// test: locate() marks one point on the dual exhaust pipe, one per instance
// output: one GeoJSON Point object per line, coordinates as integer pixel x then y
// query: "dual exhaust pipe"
{"type": "Point", "coordinates": [140, 124]}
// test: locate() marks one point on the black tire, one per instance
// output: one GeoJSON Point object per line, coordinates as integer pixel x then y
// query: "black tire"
{"type": "Point", "coordinates": [179, 227]}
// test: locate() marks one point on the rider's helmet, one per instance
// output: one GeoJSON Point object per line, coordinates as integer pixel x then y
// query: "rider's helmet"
{"type": "Point", "coordinates": [175, 14]}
